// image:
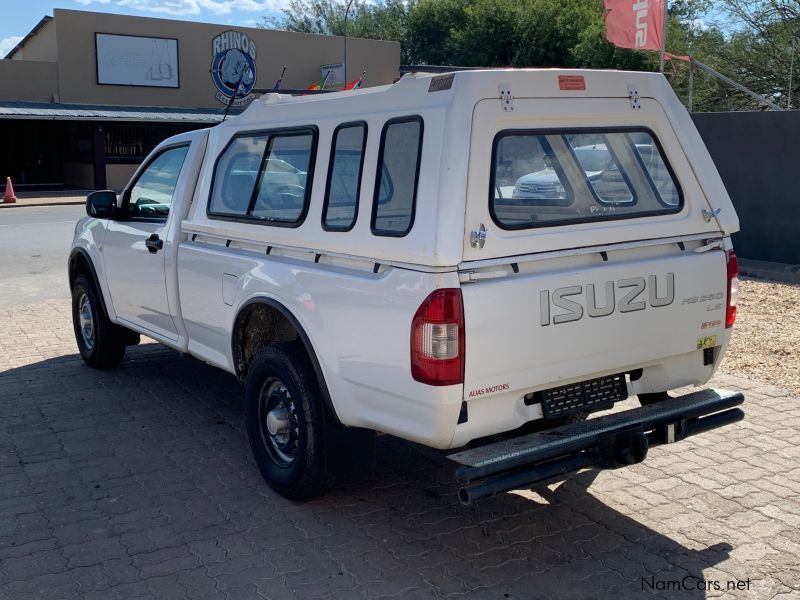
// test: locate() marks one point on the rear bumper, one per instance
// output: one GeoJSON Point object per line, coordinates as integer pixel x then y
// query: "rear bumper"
{"type": "Point", "coordinates": [609, 441]}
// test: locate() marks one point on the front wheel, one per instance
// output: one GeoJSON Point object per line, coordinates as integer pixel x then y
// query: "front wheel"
{"type": "Point", "coordinates": [100, 342]}
{"type": "Point", "coordinates": [286, 421]}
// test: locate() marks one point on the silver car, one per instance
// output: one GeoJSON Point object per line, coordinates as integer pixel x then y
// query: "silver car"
{"type": "Point", "coordinates": [545, 185]}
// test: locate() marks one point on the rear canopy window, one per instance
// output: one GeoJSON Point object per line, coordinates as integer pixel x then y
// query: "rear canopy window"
{"type": "Point", "coordinates": [398, 171]}
{"type": "Point", "coordinates": [542, 178]}
{"type": "Point", "coordinates": [344, 177]}
{"type": "Point", "coordinates": [265, 177]}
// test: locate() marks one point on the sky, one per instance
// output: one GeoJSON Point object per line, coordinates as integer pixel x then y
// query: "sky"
{"type": "Point", "coordinates": [16, 23]}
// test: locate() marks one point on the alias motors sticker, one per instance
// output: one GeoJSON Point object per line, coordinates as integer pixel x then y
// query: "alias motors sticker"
{"type": "Point", "coordinates": [233, 67]}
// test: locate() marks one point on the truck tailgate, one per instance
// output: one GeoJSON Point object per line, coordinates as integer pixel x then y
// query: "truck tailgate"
{"type": "Point", "coordinates": [547, 325]}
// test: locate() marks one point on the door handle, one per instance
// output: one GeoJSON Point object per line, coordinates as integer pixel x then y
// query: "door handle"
{"type": "Point", "coordinates": [154, 243]}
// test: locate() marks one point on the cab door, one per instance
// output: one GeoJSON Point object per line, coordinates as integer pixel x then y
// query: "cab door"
{"type": "Point", "coordinates": [133, 248]}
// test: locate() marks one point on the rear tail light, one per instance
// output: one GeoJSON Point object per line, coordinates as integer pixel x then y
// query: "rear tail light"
{"type": "Point", "coordinates": [437, 339]}
{"type": "Point", "coordinates": [733, 288]}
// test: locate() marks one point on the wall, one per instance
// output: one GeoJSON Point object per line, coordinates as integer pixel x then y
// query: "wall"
{"type": "Point", "coordinates": [27, 80]}
{"type": "Point", "coordinates": [758, 156]}
{"type": "Point", "coordinates": [301, 53]}
{"type": "Point", "coordinates": [42, 46]}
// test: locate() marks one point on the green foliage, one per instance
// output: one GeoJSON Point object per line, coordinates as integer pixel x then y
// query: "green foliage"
{"type": "Point", "coordinates": [752, 47]}
{"type": "Point", "coordinates": [382, 20]}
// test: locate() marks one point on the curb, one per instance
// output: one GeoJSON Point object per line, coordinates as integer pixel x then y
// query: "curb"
{"type": "Point", "coordinates": [39, 204]}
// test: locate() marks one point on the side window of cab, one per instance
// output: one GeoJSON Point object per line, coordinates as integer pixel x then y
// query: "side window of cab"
{"type": "Point", "coordinates": [150, 196]}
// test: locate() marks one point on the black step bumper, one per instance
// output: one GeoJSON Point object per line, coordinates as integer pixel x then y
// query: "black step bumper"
{"type": "Point", "coordinates": [606, 442]}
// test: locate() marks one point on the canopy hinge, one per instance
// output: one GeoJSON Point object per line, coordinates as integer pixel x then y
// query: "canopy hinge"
{"type": "Point", "coordinates": [506, 99]}
{"type": "Point", "coordinates": [633, 95]}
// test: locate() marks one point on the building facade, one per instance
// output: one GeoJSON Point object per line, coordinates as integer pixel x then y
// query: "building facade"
{"type": "Point", "coordinates": [85, 95]}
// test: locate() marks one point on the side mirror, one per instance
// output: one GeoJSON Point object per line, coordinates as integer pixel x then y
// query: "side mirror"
{"type": "Point", "coordinates": [101, 205]}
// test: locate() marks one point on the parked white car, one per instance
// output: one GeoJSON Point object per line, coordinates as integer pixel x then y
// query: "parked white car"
{"type": "Point", "coordinates": [399, 286]}
{"type": "Point", "coordinates": [545, 185]}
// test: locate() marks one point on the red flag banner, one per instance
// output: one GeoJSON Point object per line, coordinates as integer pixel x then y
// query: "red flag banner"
{"type": "Point", "coordinates": [635, 24]}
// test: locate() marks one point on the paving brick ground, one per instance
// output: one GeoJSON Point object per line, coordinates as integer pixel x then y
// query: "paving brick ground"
{"type": "Point", "coordinates": [138, 483]}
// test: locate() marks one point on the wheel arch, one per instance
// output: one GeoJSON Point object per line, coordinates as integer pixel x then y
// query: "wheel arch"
{"type": "Point", "coordinates": [274, 311]}
{"type": "Point", "coordinates": [81, 262]}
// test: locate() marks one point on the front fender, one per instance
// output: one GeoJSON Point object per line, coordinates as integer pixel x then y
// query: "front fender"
{"type": "Point", "coordinates": [86, 255]}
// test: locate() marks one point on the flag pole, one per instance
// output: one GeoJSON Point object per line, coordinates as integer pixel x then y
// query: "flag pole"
{"type": "Point", "coordinates": [663, 50]}
{"type": "Point", "coordinates": [280, 79]}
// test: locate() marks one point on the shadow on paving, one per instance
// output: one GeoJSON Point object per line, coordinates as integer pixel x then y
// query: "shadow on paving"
{"type": "Point", "coordinates": [142, 475]}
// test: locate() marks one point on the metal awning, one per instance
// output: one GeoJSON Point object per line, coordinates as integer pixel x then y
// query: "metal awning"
{"type": "Point", "coordinates": [95, 112]}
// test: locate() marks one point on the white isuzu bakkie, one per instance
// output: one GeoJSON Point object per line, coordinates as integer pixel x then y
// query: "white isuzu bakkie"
{"type": "Point", "coordinates": [473, 260]}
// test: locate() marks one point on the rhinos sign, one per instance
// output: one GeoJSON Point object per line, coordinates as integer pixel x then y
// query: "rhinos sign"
{"type": "Point", "coordinates": [233, 67]}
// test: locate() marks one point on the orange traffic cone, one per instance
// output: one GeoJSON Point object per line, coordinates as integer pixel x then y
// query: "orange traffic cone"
{"type": "Point", "coordinates": [9, 197]}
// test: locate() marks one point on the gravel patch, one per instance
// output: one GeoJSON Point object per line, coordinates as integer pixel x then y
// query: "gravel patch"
{"type": "Point", "coordinates": [766, 336]}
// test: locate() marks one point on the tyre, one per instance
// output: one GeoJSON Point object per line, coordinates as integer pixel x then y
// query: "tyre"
{"type": "Point", "coordinates": [100, 342]}
{"type": "Point", "coordinates": [286, 421]}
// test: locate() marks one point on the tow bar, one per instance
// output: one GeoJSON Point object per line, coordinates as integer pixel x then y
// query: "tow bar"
{"type": "Point", "coordinates": [607, 442]}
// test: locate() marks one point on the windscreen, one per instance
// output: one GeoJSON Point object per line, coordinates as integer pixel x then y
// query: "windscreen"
{"type": "Point", "coordinates": [542, 178]}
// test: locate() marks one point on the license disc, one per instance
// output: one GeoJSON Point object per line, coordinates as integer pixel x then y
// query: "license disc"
{"type": "Point", "coordinates": [706, 342]}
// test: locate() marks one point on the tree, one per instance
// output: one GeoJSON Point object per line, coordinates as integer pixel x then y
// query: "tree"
{"type": "Point", "coordinates": [750, 41]}
{"type": "Point", "coordinates": [752, 45]}
{"type": "Point", "coordinates": [765, 41]}
{"type": "Point", "coordinates": [382, 20]}
{"type": "Point", "coordinates": [520, 33]}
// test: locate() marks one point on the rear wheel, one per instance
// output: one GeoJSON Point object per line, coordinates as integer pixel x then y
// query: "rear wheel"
{"type": "Point", "coordinates": [286, 422]}
{"type": "Point", "coordinates": [100, 342]}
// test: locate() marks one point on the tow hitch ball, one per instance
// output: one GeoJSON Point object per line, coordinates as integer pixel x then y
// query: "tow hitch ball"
{"type": "Point", "coordinates": [622, 448]}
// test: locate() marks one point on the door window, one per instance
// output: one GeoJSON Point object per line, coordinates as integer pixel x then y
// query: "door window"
{"type": "Point", "coordinates": [151, 195]}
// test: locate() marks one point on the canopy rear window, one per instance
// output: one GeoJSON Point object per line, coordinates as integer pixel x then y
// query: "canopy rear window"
{"type": "Point", "coordinates": [542, 178]}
